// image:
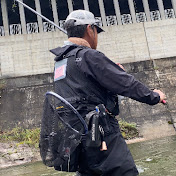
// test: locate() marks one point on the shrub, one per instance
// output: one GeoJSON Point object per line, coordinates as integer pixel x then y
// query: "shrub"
{"type": "Point", "coordinates": [128, 130]}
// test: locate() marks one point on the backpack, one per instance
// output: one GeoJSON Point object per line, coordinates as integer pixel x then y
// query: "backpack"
{"type": "Point", "coordinates": [60, 137]}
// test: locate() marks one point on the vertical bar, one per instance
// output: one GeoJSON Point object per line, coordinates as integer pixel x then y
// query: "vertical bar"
{"type": "Point", "coordinates": [55, 14]}
{"type": "Point", "coordinates": [22, 18]}
{"type": "Point", "coordinates": [102, 12]}
{"type": "Point", "coordinates": [132, 10]}
{"type": "Point", "coordinates": [161, 9]}
{"type": "Point", "coordinates": [174, 6]}
{"type": "Point", "coordinates": [5, 17]}
{"type": "Point", "coordinates": [146, 9]}
{"type": "Point", "coordinates": [70, 5]}
{"type": "Point", "coordinates": [117, 10]}
{"type": "Point", "coordinates": [86, 5]}
{"type": "Point", "coordinates": [39, 19]}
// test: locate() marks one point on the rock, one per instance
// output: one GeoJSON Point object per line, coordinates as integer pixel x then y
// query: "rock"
{"type": "Point", "coordinates": [16, 156]}
{"type": "Point", "coordinates": [12, 154]}
{"type": "Point", "coordinates": [3, 161]}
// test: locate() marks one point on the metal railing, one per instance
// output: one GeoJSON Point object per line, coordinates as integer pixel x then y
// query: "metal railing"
{"type": "Point", "coordinates": [32, 28]}
{"type": "Point", "coordinates": [16, 29]}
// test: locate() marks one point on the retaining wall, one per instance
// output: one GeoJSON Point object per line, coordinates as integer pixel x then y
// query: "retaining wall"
{"type": "Point", "coordinates": [28, 54]}
{"type": "Point", "coordinates": [22, 98]}
{"type": "Point", "coordinates": [147, 49]}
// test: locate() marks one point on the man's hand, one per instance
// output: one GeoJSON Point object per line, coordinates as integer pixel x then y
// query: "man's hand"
{"type": "Point", "coordinates": [161, 94]}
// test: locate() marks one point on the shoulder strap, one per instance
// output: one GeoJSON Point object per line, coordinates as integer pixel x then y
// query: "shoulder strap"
{"type": "Point", "coordinates": [74, 51]}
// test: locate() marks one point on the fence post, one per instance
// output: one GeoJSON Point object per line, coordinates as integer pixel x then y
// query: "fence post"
{"type": "Point", "coordinates": [86, 5]}
{"type": "Point", "coordinates": [70, 6]}
{"type": "Point", "coordinates": [161, 9]}
{"type": "Point", "coordinates": [5, 17]}
{"type": "Point", "coordinates": [55, 13]}
{"type": "Point", "coordinates": [146, 9]}
{"type": "Point", "coordinates": [39, 19]}
{"type": "Point", "coordinates": [132, 10]}
{"type": "Point", "coordinates": [117, 10]}
{"type": "Point", "coordinates": [102, 12]}
{"type": "Point", "coordinates": [22, 18]}
{"type": "Point", "coordinates": [174, 6]}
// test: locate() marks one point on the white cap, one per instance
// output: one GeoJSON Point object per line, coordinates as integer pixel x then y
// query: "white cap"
{"type": "Point", "coordinates": [82, 17]}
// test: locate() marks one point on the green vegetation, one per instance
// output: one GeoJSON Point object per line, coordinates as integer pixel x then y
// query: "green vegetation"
{"type": "Point", "coordinates": [128, 130]}
{"type": "Point", "coordinates": [31, 136]}
{"type": "Point", "coordinates": [23, 136]}
{"type": "Point", "coordinates": [2, 84]}
{"type": "Point", "coordinates": [156, 68]}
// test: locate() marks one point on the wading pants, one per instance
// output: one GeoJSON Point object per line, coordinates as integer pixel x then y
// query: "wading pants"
{"type": "Point", "coordinates": [116, 161]}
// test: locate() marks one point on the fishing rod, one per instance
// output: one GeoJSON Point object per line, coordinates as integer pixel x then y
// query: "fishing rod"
{"type": "Point", "coordinates": [164, 102]}
{"type": "Point", "coordinates": [37, 13]}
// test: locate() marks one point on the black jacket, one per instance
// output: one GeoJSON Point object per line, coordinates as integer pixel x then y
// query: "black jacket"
{"type": "Point", "coordinates": [91, 76]}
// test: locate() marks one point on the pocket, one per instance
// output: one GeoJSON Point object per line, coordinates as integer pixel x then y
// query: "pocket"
{"type": "Point", "coordinates": [105, 123]}
{"type": "Point", "coordinates": [93, 138]}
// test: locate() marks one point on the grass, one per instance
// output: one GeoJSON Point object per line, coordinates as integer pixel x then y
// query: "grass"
{"type": "Point", "coordinates": [128, 130]}
{"type": "Point", "coordinates": [2, 84]}
{"type": "Point", "coordinates": [31, 136]}
{"type": "Point", "coordinates": [23, 136]}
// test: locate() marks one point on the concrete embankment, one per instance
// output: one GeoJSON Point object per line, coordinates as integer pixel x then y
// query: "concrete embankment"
{"type": "Point", "coordinates": [22, 98]}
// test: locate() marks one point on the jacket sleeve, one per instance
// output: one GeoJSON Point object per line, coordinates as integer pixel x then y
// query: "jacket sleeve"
{"type": "Point", "coordinates": [113, 78]}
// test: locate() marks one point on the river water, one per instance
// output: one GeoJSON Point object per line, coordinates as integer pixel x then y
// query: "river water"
{"type": "Point", "coordinates": [153, 158]}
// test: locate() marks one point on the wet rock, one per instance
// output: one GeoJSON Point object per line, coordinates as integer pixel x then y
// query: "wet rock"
{"type": "Point", "coordinates": [14, 154]}
{"type": "Point", "coordinates": [3, 161]}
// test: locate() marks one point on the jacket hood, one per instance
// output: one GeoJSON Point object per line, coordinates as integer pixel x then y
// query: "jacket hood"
{"type": "Point", "coordinates": [60, 52]}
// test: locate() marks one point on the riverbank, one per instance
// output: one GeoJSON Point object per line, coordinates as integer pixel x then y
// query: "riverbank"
{"type": "Point", "coordinates": [152, 157]}
{"type": "Point", "coordinates": [26, 150]}
{"type": "Point", "coordinates": [13, 153]}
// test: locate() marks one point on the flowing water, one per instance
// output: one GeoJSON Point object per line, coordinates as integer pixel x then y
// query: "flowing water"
{"type": "Point", "coordinates": [156, 157]}
{"type": "Point", "coordinates": [153, 158]}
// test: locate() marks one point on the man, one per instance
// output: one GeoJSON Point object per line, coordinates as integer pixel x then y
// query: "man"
{"type": "Point", "coordinates": [88, 78]}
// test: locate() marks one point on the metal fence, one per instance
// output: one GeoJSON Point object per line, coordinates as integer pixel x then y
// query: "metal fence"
{"type": "Point", "coordinates": [16, 29]}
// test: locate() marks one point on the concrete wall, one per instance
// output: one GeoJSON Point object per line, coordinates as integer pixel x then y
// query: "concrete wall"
{"type": "Point", "coordinates": [29, 54]}
{"type": "Point", "coordinates": [148, 49]}
{"type": "Point", "coordinates": [22, 98]}
{"type": "Point", "coordinates": [153, 120]}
